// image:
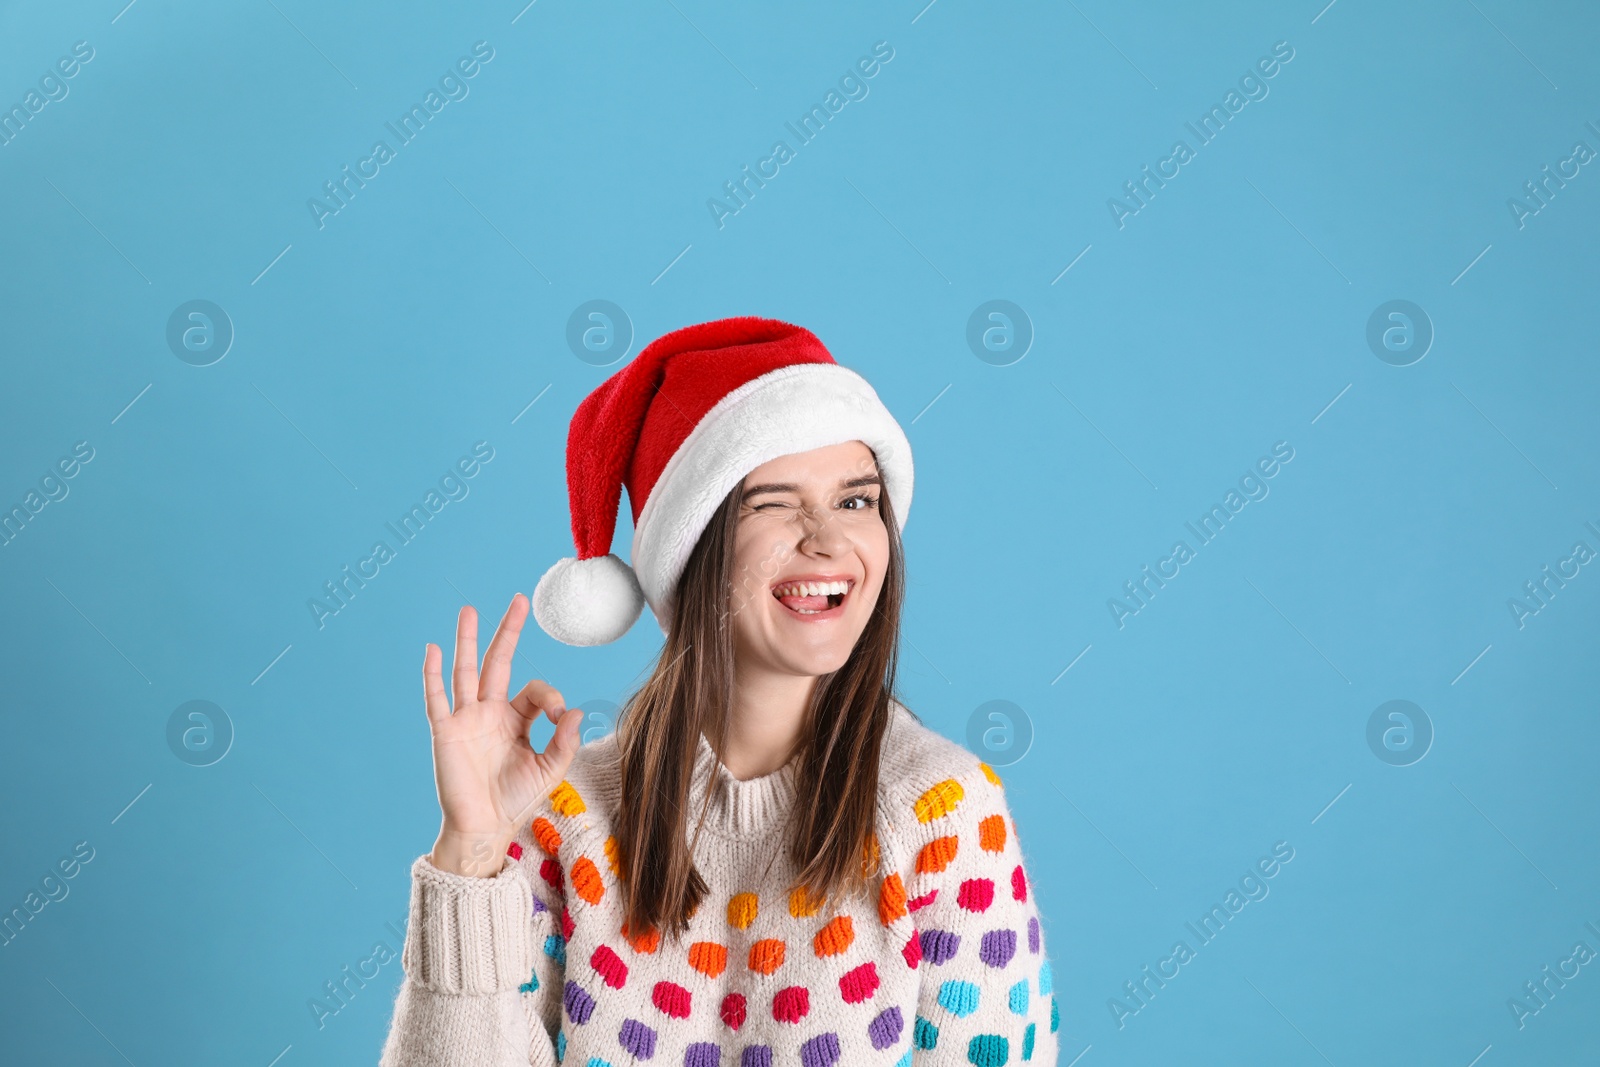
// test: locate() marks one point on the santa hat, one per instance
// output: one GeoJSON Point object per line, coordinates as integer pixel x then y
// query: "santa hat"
{"type": "Point", "coordinates": [692, 414]}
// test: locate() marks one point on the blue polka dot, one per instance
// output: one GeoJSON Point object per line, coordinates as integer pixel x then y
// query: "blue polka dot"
{"type": "Point", "coordinates": [958, 997]}
{"type": "Point", "coordinates": [1019, 998]}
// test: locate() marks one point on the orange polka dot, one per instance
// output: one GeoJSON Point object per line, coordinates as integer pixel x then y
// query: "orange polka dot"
{"type": "Point", "coordinates": [545, 835]}
{"type": "Point", "coordinates": [644, 943]}
{"type": "Point", "coordinates": [936, 855]}
{"type": "Point", "coordinates": [835, 937]}
{"type": "Point", "coordinates": [586, 881]}
{"type": "Point", "coordinates": [766, 955]}
{"type": "Point", "coordinates": [708, 957]}
{"type": "Point", "coordinates": [891, 899]}
{"type": "Point", "coordinates": [992, 833]}
{"type": "Point", "coordinates": [742, 910]}
{"type": "Point", "coordinates": [939, 801]}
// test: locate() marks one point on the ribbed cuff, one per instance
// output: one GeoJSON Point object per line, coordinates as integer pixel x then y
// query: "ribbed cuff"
{"type": "Point", "coordinates": [468, 935]}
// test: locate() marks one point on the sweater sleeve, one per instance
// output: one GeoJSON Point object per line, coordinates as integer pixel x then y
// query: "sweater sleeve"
{"type": "Point", "coordinates": [484, 964]}
{"type": "Point", "coordinates": [986, 989]}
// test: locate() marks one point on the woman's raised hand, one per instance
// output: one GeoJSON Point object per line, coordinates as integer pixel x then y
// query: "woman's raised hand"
{"type": "Point", "coordinates": [489, 776]}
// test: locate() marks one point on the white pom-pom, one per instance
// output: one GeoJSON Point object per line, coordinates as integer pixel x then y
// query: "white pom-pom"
{"type": "Point", "coordinates": [588, 602]}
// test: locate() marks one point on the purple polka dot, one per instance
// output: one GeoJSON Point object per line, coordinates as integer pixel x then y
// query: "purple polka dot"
{"type": "Point", "coordinates": [637, 1038]}
{"type": "Point", "coordinates": [1033, 934]}
{"type": "Point", "coordinates": [702, 1054]}
{"type": "Point", "coordinates": [997, 947]}
{"type": "Point", "coordinates": [579, 1004]}
{"type": "Point", "coordinates": [756, 1056]}
{"type": "Point", "coordinates": [939, 946]}
{"type": "Point", "coordinates": [885, 1029]}
{"type": "Point", "coordinates": [538, 906]}
{"type": "Point", "coordinates": [820, 1051]}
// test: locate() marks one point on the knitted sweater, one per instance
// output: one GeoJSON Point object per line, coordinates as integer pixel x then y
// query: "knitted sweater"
{"type": "Point", "coordinates": [946, 965]}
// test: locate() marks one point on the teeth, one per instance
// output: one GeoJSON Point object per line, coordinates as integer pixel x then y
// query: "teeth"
{"type": "Point", "coordinates": [812, 589]}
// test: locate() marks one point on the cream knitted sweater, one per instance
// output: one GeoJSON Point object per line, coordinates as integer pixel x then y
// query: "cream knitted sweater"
{"type": "Point", "coordinates": [947, 965]}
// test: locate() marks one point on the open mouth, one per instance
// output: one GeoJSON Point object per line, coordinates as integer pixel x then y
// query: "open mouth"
{"type": "Point", "coordinates": [813, 599]}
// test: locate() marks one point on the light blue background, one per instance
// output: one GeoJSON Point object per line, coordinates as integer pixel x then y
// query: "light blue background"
{"type": "Point", "coordinates": [432, 310]}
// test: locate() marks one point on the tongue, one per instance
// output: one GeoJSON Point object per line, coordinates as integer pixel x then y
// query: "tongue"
{"type": "Point", "coordinates": [805, 603]}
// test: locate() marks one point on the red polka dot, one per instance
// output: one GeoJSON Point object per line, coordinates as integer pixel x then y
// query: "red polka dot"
{"type": "Point", "coordinates": [609, 966]}
{"type": "Point", "coordinates": [733, 1010]}
{"type": "Point", "coordinates": [859, 984]}
{"type": "Point", "coordinates": [671, 998]}
{"type": "Point", "coordinates": [976, 894]}
{"type": "Point", "coordinates": [792, 1004]}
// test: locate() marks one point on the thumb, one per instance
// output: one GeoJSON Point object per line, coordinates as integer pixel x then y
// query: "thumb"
{"type": "Point", "coordinates": [563, 745]}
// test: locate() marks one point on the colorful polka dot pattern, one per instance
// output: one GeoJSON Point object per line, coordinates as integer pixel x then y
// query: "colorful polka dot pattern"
{"type": "Point", "coordinates": [960, 922]}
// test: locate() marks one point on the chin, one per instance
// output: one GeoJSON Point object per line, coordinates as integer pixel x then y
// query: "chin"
{"type": "Point", "coordinates": [820, 663]}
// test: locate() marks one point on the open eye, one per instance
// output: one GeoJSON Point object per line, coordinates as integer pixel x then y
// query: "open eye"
{"type": "Point", "coordinates": [869, 502]}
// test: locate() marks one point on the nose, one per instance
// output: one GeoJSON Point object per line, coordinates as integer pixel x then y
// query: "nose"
{"type": "Point", "coordinates": [820, 535]}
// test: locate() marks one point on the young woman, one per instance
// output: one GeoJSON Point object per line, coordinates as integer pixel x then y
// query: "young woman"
{"type": "Point", "coordinates": [771, 860]}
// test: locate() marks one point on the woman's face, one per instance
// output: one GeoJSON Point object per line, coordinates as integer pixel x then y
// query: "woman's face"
{"type": "Point", "coordinates": [809, 526]}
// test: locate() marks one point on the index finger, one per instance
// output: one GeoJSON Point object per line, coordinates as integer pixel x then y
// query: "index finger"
{"type": "Point", "coordinates": [497, 661]}
{"type": "Point", "coordinates": [464, 676]}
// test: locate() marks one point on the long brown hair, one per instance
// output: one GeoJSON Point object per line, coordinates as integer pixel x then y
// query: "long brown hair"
{"type": "Point", "coordinates": [830, 838]}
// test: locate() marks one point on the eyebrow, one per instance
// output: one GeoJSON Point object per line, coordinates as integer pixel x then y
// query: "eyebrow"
{"type": "Point", "coordinates": [791, 487]}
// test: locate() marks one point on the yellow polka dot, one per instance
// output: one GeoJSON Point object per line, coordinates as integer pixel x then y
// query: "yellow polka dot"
{"type": "Point", "coordinates": [801, 903]}
{"type": "Point", "coordinates": [566, 800]}
{"type": "Point", "coordinates": [742, 910]}
{"type": "Point", "coordinates": [939, 801]}
{"type": "Point", "coordinates": [988, 772]}
{"type": "Point", "coordinates": [612, 852]}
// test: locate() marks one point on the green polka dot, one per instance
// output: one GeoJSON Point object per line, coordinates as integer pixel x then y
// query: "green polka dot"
{"type": "Point", "coordinates": [988, 1050]}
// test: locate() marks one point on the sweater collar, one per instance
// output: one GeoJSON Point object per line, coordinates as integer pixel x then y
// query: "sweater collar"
{"type": "Point", "coordinates": [753, 807]}
{"type": "Point", "coordinates": [741, 808]}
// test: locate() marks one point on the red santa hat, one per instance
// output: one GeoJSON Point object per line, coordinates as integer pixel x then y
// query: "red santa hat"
{"type": "Point", "coordinates": [679, 426]}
